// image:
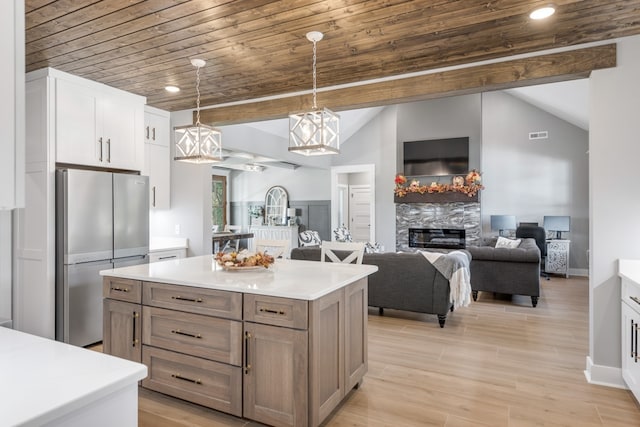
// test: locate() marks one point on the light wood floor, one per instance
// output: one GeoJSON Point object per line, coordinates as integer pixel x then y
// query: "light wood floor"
{"type": "Point", "coordinates": [498, 362]}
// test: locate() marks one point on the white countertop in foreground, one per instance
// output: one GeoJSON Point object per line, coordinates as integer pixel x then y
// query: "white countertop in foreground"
{"type": "Point", "coordinates": [306, 280]}
{"type": "Point", "coordinates": [630, 269]}
{"type": "Point", "coordinates": [42, 380]}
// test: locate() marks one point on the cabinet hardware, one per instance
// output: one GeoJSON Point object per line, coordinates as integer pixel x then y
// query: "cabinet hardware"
{"type": "Point", "coordinates": [247, 365]}
{"type": "Point", "coordinates": [271, 311]}
{"type": "Point", "coordinates": [153, 132]}
{"type": "Point", "coordinates": [147, 134]}
{"type": "Point", "coordinates": [154, 196]}
{"type": "Point", "coordinates": [635, 299]}
{"type": "Point", "coordinates": [108, 150]}
{"type": "Point", "coordinates": [100, 141]}
{"type": "Point", "coordinates": [635, 349]}
{"type": "Point", "coordinates": [135, 316]}
{"type": "Point", "coordinates": [179, 298]}
{"type": "Point", "coordinates": [167, 257]}
{"type": "Point", "coordinates": [118, 289]}
{"type": "Point", "coordinates": [186, 334]}
{"type": "Point", "coordinates": [180, 377]}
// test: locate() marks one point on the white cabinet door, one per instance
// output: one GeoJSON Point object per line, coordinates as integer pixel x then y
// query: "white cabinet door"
{"type": "Point", "coordinates": [157, 156]}
{"type": "Point", "coordinates": [156, 127]}
{"type": "Point", "coordinates": [157, 164]}
{"type": "Point", "coordinates": [77, 139]}
{"type": "Point", "coordinates": [117, 128]}
{"type": "Point", "coordinates": [96, 128]}
{"type": "Point", "coordinates": [630, 355]}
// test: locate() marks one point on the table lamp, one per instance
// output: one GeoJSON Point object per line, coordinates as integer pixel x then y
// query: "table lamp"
{"type": "Point", "coordinates": [557, 224]}
{"type": "Point", "coordinates": [291, 213]}
{"type": "Point", "coordinates": [500, 223]}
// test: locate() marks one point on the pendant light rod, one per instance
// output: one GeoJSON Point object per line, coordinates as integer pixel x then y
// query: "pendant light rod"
{"type": "Point", "coordinates": [315, 37]}
{"type": "Point", "coordinates": [198, 63]}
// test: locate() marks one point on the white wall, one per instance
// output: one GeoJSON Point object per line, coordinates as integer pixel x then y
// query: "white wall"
{"type": "Point", "coordinates": [614, 210]}
{"type": "Point", "coordinates": [533, 178]}
{"type": "Point", "coordinates": [303, 183]}
{"type": "Point", "coordinates": [375, 143]}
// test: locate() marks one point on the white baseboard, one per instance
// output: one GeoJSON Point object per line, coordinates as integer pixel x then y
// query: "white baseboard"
{"type": "Point", "coordinates": [604, 375]}
{"type": "Point", "coordinates": [584, 272]}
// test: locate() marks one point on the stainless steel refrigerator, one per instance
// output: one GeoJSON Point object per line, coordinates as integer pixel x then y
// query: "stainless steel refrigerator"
{"type": "Point", "coordinates": [102, 222]}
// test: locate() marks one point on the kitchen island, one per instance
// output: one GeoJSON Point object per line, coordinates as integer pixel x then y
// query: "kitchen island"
{"type": "Point", "coordinates": [46, 382]}
{"type": "Point", "coordinates": [282, 346]}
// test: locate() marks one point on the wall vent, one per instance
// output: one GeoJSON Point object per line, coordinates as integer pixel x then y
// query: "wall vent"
{"type": "Point", "coordinates": [543, 134]}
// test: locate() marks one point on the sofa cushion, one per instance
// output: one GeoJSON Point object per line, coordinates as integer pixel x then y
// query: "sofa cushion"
{"type": "Point", "coordinates": [527, 252]}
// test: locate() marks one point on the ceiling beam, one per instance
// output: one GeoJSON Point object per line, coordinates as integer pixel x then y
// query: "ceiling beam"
{"type": "Point", "coordinates": [568, 65]}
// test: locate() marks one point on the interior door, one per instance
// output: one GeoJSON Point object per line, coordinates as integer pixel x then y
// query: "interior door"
{"type": "Point", "coordinates": [360, 212]}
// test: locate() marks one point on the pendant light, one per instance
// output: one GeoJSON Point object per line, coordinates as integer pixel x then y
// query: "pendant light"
{"type": "Point", "coordinates": [198, 143]}
{"type": "Point", "coordinates": [314, 132]}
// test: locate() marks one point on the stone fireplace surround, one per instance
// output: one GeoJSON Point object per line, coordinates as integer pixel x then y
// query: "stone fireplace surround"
{"type": "Point", "coordinates": [440, 214]}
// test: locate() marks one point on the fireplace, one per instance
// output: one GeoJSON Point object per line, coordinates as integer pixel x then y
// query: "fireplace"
{"type": "Point", "coordinates": [437, 238]}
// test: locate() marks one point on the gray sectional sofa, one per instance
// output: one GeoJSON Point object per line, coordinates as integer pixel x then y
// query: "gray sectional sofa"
{"type": "Point", "coordinates": [404, 281]}
{"type": "Point", "coordinates": [514, 271]}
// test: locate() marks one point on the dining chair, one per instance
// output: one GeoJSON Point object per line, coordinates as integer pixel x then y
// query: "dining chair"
{"type": "Point", "coordinates": [275, 248]}
{"type": "Point", "coordinates": [232, 229]}
{"type": "Point", "coordinates": [328, 249]}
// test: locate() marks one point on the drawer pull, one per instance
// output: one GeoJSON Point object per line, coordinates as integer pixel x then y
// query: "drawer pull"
{"type": "Point", "coordinates": [180, 377]}
{"type": "Point", "coordinates": [247, 365]}
{"type": "Point", "coordinates": [186, 334]}
{"type": "Point", "coordinates": [271, 311]}
{"type": "Point", "coordinates": [135, 316]}
{"type": "Point", "coordinates": [120, 289]}
{"type": "Point", "coordinates": [168, 256]}
{"type": "Point", "coordinates": [179, 298]}
{"type": "Point", "coordinates": [635, 299]}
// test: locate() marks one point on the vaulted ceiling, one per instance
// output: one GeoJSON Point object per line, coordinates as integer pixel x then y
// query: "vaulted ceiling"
{"type": "Point", "coordinates": [257, 48]}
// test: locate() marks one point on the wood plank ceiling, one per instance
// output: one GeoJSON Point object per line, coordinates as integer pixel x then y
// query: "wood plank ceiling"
{"type": "Point", "coordinates": [257, 48]}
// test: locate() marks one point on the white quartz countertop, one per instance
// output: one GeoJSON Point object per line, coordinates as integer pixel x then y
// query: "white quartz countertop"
{"type": "Point", "coordinates": [629, 269]}
{"type": "Point", "coordinates": [305, 280]}
{"type": "Point", "coordinates": [42, 379]}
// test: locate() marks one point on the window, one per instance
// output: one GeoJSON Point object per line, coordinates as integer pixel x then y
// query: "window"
{"type": "Point", "coordinates": [218, 201]}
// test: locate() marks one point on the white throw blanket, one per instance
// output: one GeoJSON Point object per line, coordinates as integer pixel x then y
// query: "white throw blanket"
{"type": "Point", "coordinates": [454, 266]}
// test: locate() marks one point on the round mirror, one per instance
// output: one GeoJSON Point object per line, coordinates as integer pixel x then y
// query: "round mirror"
{"type": "Point", "coordinates": [275, 206]}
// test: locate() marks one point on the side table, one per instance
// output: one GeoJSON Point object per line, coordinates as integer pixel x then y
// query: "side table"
{"type": "Point", "coordinates": [557, 260]}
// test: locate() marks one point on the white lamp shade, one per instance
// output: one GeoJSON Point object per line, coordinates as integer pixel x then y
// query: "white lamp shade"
{"type": "Point", "coordinates": [557, 223]}
{"type": "Point", "coordinates": [291, 212]}
{"type": "Point", "coordinates": [198, 144]}
{"type": "Point", "coordinates": [313, 133]}
{"type": "Point", "coordinates": [503, 222]}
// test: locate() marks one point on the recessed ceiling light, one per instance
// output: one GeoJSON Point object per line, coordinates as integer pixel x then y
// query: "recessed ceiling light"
{"type": "Point", "coordinates": [543, 12]}
{"type": "Point", "coordinates": [172, 89]}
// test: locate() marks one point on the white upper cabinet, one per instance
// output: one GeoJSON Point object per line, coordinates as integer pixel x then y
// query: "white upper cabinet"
{"type": "Point", "coordinates": [98, 126]}
{"type": "Point", "coordinates": [157, 154]}
{"type": "Point", "coordinates": [12, 109]}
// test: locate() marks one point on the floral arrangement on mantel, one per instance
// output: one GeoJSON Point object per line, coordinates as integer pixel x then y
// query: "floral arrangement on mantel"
{"type": "Point", "coordinates": [470, 185]}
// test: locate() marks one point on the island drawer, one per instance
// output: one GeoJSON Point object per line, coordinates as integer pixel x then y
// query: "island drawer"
{"type": "Point", "coordinates": [211, 384]}
{"type": "Point", "coordinates": [122, 289]}
{"type": "Point", "coordinates": [193, 300]}
{"type": "Point", "coordinates": [286, 312]}
{"type": "Point", "coordinates": [194, 334]}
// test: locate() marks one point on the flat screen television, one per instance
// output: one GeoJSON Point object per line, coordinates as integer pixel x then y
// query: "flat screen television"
{"type": "Point", "coordinates": [436, 157]}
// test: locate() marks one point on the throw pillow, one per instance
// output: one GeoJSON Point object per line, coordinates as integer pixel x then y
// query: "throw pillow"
{"type": "Point", "coordinates": [503, 242]}
{"type": "Point", "coordinates": [342, 234]}
{"type": "Point", "coordinates": [309, 238]}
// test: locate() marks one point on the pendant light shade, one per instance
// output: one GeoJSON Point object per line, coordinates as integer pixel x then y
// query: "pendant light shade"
{"type": "Point", "coordinates": [314, 132]}
{"type": "Point", "coordinates": [198, 143]}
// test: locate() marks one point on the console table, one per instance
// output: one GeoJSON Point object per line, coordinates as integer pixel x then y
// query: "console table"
{"type": "Point", "coordinates": [557, 260]}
